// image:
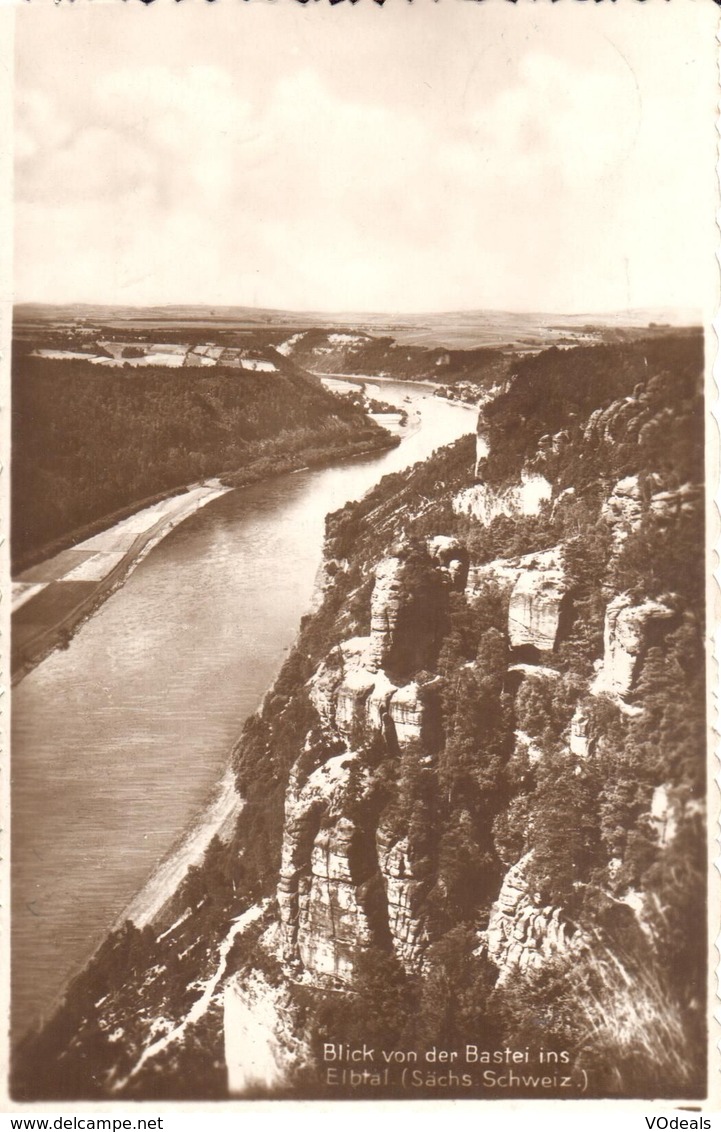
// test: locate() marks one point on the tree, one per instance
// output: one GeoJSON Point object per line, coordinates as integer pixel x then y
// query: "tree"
{"type": "Point", "coordinates": [455, 991]}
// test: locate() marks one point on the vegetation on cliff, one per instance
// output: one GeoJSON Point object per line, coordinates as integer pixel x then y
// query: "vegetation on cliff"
{"type": "Point", "coordinates": [557, 391]}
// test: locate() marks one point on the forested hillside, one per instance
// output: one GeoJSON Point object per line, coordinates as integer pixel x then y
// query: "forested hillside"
{"type": "Point", "coordinates": [355, 352]}
{"type": "Point", "coordinates": [89, 441]}
{"type": "Point", "coordinates": [474, 799]}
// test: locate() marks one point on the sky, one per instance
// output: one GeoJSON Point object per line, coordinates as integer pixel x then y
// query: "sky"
{"type": "Point", "coordinates": [412, 157]}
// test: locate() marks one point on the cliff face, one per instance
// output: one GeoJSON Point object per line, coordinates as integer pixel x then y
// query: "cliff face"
{"type": "Point", "coordinates": [630, 500]}
{"type": "Point", "coordinates": [538, 595]}
{"type": "Point", "coordinates": [326, 917]}
{"type": "Point", "coordinates": [484, 504]}
{"type": "Point", "coordinates": [386, 605]}
{"type": "Point", "coordinates": [522, 934]}
{"type": "Point", "coordinates": [628, 628]}
{"type": "Point", "coordinates": [588, 621]}
{"type": "Point", "coordinates": [344, 885]}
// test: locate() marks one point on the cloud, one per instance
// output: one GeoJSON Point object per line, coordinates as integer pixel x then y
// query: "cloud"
{"type": "Point", "coordinates": [238, 181]}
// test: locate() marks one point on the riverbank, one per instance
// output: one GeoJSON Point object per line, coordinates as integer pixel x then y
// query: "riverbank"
{"type": "Point", "coordinates": [306, 458]}
{"type": "Point", "coordinates": [214, 820]}
{"type": "Point", "coordinates": [366, 383]}
{"type": "Point", "coordinates": [51, 599]}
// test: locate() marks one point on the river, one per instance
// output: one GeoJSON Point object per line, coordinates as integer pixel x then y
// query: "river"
{"type": "Point", "coordinates": [119, 742]}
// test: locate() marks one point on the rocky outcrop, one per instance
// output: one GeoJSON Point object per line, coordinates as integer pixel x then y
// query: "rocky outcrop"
{"type": "Point", "coordinates": [355, 701]}
{"type": "Point", "coordinates": [386, 603]}
{"type": "Point", "coordinates": [342, 686]}
{"type": "Point", "coordinates": [623, 509]}
{"type": "Point", "coordinates": [538, 597]}
{"type": "Point", "coordinates": [626, 635]}
{"type": "Point", "coordinates": [450, 557]}
{"type": "Point", "coordinates": [534, 613]}
{"type": "Point", "coordinates": [619, 422]}
{"type": "Point", "coordinates": [533, 672]}
{"type": "Point", "coordinates": [326, 893]}
{"type": "Point", "coordinates": [630, 501]}
{"type": "Point", "coordinates": [351, 690]}
{"type": "Point", "coordinates": [552, 443]}
{"type": "Point", "coordinates": [406, 712]}
{"type": "Point", "coordinates": [404, 897]}
{"type": "Point", "coordinates": [411, 710]}
{"type": "Point", "coordinates": [507, 571]}
{"type": "Point", "coordinates": [669, 505]}
{"type": "Point", "coordinates": [332, 921]}
{"type": "Point", "coordinates": [522, 934]}
{"type": "Point", "coordinates": [307, 803]}
{"type": "Point", "coordinates": [334, 896]}
{"type": "Point", "coordinates": [580, 742]}
{"type": "Point", "coordinates": [484, 504]}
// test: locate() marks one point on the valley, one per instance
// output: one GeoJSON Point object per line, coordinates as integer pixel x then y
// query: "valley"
{"type": "Point", "coordinates": [472, 798]}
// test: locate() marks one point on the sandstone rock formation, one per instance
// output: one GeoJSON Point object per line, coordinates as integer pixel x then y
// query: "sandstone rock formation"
{"type": "Point", "coordinates": [450, 557]}
{"type": "Point", "coordinates": [408, 709]}
{"type": "Point", "coordinates": [538, 592]}
{"type": "Point", "coordinates": [306, 804]}
{"type": "Point", "coordinates": [342, 686]}
{"type": "Point", "coordinates": [339, 891]}
{"type": "Point", "coordinates": [623, 509]}
{"type": "Point", "coordinates": [323, 899]}
{"type": "Point", "coordinates": [629, 502]}
{"type": "Point", "coordinates": [351, 690]}
{"type": "Point", "coordinates": [386, 603]}
{"type": "Point", "coordinates": [579, 740]}
{"type": "Point", "coordinates": [335, 895]}
{"type": "Point", "coordinates": [521, 934]}
{"type": "Point", "coordinates": [534, 613]}
{"type": "Point", "coordinates": [484, 504]}
{"type": "Point", "coordinates": [669, 505]}
{"type": "Point", "coordinates": [625, 638]}
{"type": "Point", "coordinates": [534, 671]}
{"type": "Point", "coordinates": [621, 421]}
{"type": "Point", "coordinates": [507, 571]}
{"type": "Point", "coordinates": [352, 699]}
{"type": "Point", "coordinates": [332, 921]}
{"type": "Point", "coordinates": [404, 895]}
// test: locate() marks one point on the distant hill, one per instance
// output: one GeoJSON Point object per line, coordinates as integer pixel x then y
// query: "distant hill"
{"type": "Point", "coordinates": [459, 329]}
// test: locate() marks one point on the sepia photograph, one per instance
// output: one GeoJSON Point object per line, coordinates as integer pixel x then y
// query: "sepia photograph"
{"type": "Point", "coordinates": [359, 744]}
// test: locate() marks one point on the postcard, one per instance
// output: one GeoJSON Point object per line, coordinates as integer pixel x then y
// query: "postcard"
{"type": "Point", "coordinates": [362, 462]}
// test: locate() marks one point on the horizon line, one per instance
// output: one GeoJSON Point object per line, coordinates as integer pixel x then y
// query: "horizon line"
{"type": "Point", "coordinates": [377, 313]}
